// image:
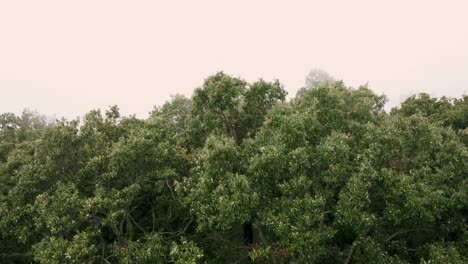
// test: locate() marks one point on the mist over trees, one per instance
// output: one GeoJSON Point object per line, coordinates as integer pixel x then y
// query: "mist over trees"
{"type": "Point", "coordinates": [316, 78]}
{"type": "Point", "coordinates": [237, 174]}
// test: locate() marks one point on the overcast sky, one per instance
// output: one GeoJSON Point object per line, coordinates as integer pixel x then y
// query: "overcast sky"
{"type": "Point", "coordinates": [68, 57]}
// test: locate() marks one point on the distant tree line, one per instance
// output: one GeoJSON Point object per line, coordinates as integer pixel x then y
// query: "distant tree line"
{"type": "Point", "coordinates": [237, 174]}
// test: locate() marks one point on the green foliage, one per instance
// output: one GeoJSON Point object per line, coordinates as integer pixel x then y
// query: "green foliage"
{"type": "Point", "coordinates": [149, 249]}
{"type": "Point", "coordinates": [217, 192]}
{"type": "Point", "coordinates": [230, 106]}
{"type": "Point", "coordinates": [17, 129]}
{"type": "Point", "coordinates": [176, 112]}
{"type": "Point", "coordinates": [449, 112]}
{"type": "Point", "coordinates": [235, 174]}
{"type": "Point", "coordinates": [186, 252]}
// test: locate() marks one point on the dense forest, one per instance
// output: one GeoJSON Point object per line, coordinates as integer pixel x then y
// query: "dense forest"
{"type": "Point", "coordinates": [239, 174]}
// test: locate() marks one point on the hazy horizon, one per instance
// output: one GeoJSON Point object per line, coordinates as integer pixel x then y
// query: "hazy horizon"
{"type": "Point", "coordinates": [67, 58]}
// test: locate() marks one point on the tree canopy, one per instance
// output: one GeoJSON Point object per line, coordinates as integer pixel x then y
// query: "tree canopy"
{"type": "Point", "coordinates": [237, 174]}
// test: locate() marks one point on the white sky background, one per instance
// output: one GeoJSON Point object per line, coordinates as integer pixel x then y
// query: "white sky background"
{"type": "Point", "coordinates": [68, 57]}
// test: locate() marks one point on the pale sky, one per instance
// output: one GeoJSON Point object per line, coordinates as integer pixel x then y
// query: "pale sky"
{"type": "Point", "coordinates": [67, 57]}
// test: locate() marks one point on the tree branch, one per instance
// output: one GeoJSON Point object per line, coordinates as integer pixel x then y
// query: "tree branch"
{"type": "Point", "coordinates": [350, 253]}
{"type": "Point", "coordinates": [405, 231]}
{"type": "Point", "coordinates": [170, 189]}
{"type": "Point", "coordinates": [136, 224]}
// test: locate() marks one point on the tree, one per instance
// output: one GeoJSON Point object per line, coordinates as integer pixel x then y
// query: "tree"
{"type": "Point", "coordinates": [177, 112]}
{"type": "Point", "coordinates": [230, 106]}
{"type": "Point", "coordinates": [17, 129]}
{"type": "Point", "coordinates": [91, 193]}
{"type": "Point", "coordinates": [299, 162]}
{"type": "Point", "coordinates": [226, 112]}
{"type": "Point", "coordinates": [408, 194]}
{"type": "Point", "coordinates": [236, 174]}
{"type": "Point", "coordinates": [316, 78]}
{"type": "Point", "coordinates": [450, 112]}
